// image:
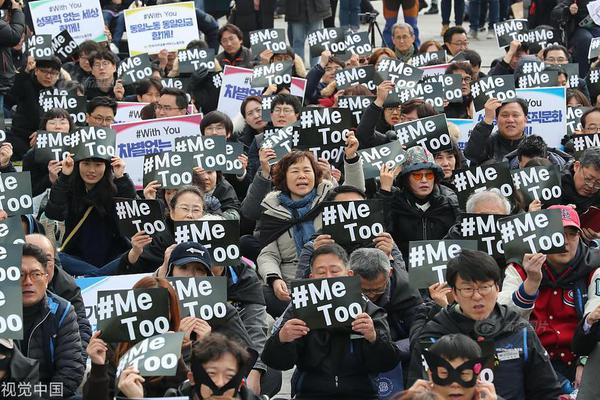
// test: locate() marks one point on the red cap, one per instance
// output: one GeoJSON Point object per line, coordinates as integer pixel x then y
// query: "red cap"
{"type": "Point", "coordinates": [568, 215]}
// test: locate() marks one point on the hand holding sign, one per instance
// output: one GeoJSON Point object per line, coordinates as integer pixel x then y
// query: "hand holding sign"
{"type": "Point", "coordinates": [383, 90]}
{"type": "Point", "coordinates": [491, 105]}
{"type": "Point", "coordinates": [363, 324]}
{"type": "Point", "coordinates": [387, 176]}
{"type": "Point", "coordinates": [6, 152]}
{"type": "Point", "coordinates": [293, 329]}
{"type": "Point", "coordinates": [97, 349]}
{"type": "Point", "coordinates": [532, 263]}
{"type": "Point", "coordinates": [67, 165]}
{"type": "Point", "coordinates": [131, 384]}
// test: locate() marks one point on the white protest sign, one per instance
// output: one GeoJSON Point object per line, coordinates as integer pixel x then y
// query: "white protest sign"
{"type": "Point", "coordinates": [465, 126]}
{"type": "Point", "coordinates": [594, 10]}
{"type": "Point", "coordinates": [128, 111]}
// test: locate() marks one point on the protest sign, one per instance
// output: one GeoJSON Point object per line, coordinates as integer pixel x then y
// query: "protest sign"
{"type": "Point", "coordinates": [430, 132]}
{"type": "Point", "coordinates": [485, 229]}
{"type": "Point", "coordinates": [430, 92]}
{"type": "Point", "coordinates": [581, 142]}
{"type": "Point", "coordinates": [332, 39]}
{"type": "Point", "coordinates": [75, 105]}
{"type": "Point", "coordinates": [15, 193]}
{"type": "Point", "coordinates": [545, 78]}
{"type": "Point", "coordinates": [357, 43]}
{"type": "Point", "coordinates": [193, 59]}
{"type": "Point", "coordinates": [481, 177]}
{"type": "Point", "coordinates": [323, 131]}
{"type": "Point", "coordinates": [399, 73]}
{"type": "Point", "coordinates": [451, 86]}
{"type": "Point", "coordinates": [93, 142]}
{"type": "Point", "coordinates": [501, 87]}
{"type": "Point", "coordinates": [538, 183]}
{"type": "Point", "coordinates": [430, 71]}
{"type": "Point", "coordinates": [593, 82]}
{"type": "Point", "coordinates": [428, 259]}
{"type": "Point", "coordinates": [208, 152]}
{"type": "Point", "coordinates": [547, 113]}
{"type": "Point", "coordinates": [349, 77]}
{"type": "Point", "coordinates": [11, 231]}
{"type": "Point", "coordinates": [132, 315]}
{"type": "Point", "coordinates": [134, 69]}
{"type": "Point", "coordinates": [392, 154]}
{"type": "Point", "coordinates": [506, 31]}
{"type": "Point", "coordinates": [138, 138]}
{"type": "Point", "coordinates": [51, 146]}
{"type": "Point", "coordinates": [266, 107]}
{"type": "Point", "coordinates": [11, 292]}
{"type": "Point", "coordinates": [154, 356]}
{"type": "Point", "coordinates": [172, 169]}
{"type": "Point", "coordinates": [572, 70]}
{"type": "Point", "coordinates": [278, 73]}
{"type": "Point", "coordinates": [327, 303]}
{"type": "Point", "coordinates": [176, 83]}
{"type": "Point", "coordinates": [281, 140]}
{"type": "Point", "coordinates": [353, 222]}
{"type": "Point", "coordinates": [594, 50]}
{"type": "Point", "coordinates": [2, 127]}
{"type": "Point", "coordinates": [64, 46]}
{"type": "Point", "coordinates": [532, 232]}
{"type": "Point", "coordinates": [220, 237]}
{"type": "Point", "coordinates": [574, 119]}
{"type": "Point", "coordinates": [429, 58]}
{"type": "Point", "coordinates": [135, 216]}
{"type": "Point", "coordinates": [128, 111]}
{"type": "Point", "coordinates": [81, 18]}
{"type": "Point", "coordinates": [233, 165]}
{"type": "Point", "coordinates": [465, 126]}
{"type": "Point", "coordinates": [40, 47]}
{"type": "Point", "coordinates": [356, 105]}
{"type": "Point", "coordinates": [151, 29]}
{"type": "Point", "coordinates": [203, 298]}
{"type": "Point", "coordinates": [268, 39]}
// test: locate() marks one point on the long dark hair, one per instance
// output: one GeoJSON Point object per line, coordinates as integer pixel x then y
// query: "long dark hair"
{"type": "Point", "coordinates": [56, 113]}
{"type": "Point", "coordinates": [102, 194]}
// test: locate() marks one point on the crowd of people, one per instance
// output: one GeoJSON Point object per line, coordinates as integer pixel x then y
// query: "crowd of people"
{"type": "Point", "coordinates": [497, 328]}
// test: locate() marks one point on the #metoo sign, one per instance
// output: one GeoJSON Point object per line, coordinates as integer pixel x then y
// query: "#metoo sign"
{"type": "Point", "coordinates": [353, 222]}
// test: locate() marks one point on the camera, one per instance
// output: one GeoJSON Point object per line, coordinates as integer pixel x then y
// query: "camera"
{"type": "Point", "coordinates": [367, 18]}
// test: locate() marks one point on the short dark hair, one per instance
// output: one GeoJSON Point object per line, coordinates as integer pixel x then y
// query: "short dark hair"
{"type": "Point", "coordinates": [472, 266]}
{"type": "Point", "coordinates": [56, 113]}
{"type": "Point", "coordinates": [332, 194]}
{"type": "Point", "coordinates": [102, 101]}
{"type": "Point", "coordinates": [230, 28]}
{"type": "Point", "coordinates": [456, 345]}
{"type": "Point", "coordinates": [554, 47]}
{"type": "Point", "coordinates": [538, 162]}
{"type": "Point", "coordinates": [590, 158]}
{"type": "Point", "coordinates": [248, 100]}
{"type": "Point", "coordinates": [53, 63]}
{"type": "Point", "coordinates": [103, 54]}
{"type": "Point", "coordinates": [579, 96]}
{"type": "Point", "coordinates": [586, 113]}
{"type": "Point", "coordinates": [460, 65]}
{"type": "Point", "coordinates": [216, 117]}
{"type": "Point", "coordinates": [287, 99]}
{"type": "Point", "coordinates": [196, 44]}
{"type": "Point", "coordinates": [532, 146]}
{"type": "Point", "coordinates": [455, 30]}
{"type": "Point", "coordinates": [278, 174]}
{"type": "Point", "coordinates": [423, 109]}
{"type": "Point", "coordinates": [36, 252]}
{"type": "Point", "coordinates": [214, 346]}
{"type": "Point", "coordinates": [334, 249]}
{"type": "Point", "coordinates": [88, 47]}
{"type": "Point", "coordinates": [472, 57]}
{"type": "Point", "coordinates": [521, 102]}
{"type": "Point", "coordinates": [181, 99]}
{"type": "Point", "coordinates": [143, 86]}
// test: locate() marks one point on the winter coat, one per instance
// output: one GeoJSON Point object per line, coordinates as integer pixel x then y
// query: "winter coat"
{"type": "Point", "coordinates": [314, 84]}
{"type": "Point", "coordinates": [371, 131]}
{"type": "Point", "coordinates": [10, 35]}
{"type": "Point", "coordinates": [225, 193]}
{"type": "Point", "coordinates": [25, 93]}
{"type": "Point", "coordinates": [204, 86]}
{"type": "Point", "coordinates": [484, 145]}
{"type": "Point", "coordinates": [77, 73]}
{"type": "Point", "coordinates": [40, 180]}
{"type": "Point", "coordinates": [247, 19]}
{"type": "Point", "coordinates": [570, 195]}
{"type": "Point", "coordinates": [555, 156]}
{"type": "Point", "coordinates": [243, 58]}
{"type": "Point", "coordinates": [307, 10]}
{"type": "Point", "coordinates": [22, 369]}
{"type": "Point", "coordinates": [561, 15]}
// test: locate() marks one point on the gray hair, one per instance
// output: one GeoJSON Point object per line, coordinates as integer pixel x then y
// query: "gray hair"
{"type": "Point", "coordinates": [590, 158]}
{"type": "Point", "coordinates": [487, 195]}
{"type": "Point", "coordinates": [369, 263]}
{"type": "Point", "coordinates": [403, 25]}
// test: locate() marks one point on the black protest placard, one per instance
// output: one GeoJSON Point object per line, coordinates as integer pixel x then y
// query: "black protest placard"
{"type": "Point", "coordinates": [429, 58]}
{"type": "Point", "coordinates": [132, 315]}
{"type": "Point", "coordinates": [64, 46]}
{"type": "Point", "coordinates": [572, 70]}
{"type": "Point", "coordinates": [501, 87]}
{"type": "Point", "coordinates": [134, 69]}
{"type": "Point", "coordinates": [208, 152]}
{"type": "Point", "coordinates": [538, 183]}
{"type": "Point", "coordinates": [154, 356]}
{"type": "Point", "coordinates": [532, 232]}
{"type": "Point", "coordinates": [327, 303]}
{"type": "Point", "coordinates": [357, 43]}
{"type": "Point", "coordinates": [40, 47]}
{"type": "Point", "coordinates": [356, 105]}
{"type": "Point", "coordinates": [546, 78]}
{"type": "Point", "coordinates": [506, 30]}
{"type": "Point", "coordinates": [391, 154]}
{"type": "Point", "coordinates": [170, 169]}
{"type": "Point", "coordinates": [268, 39]}
{"type": "Point", "coordinates": [51, 146]}
{"type": "Point", "coordinates": [348, 77]}
{"type": "Point", "coordinates": [11, 231]}
{"type": "Point", "coordinates": [430, 132]}
{"type": "Point", "coordinates": [75, 105]}
{"type": "Point", "coordinates": [332, 39]}
{"type": "Point", "coordinates": [581, 142]}
{"type": "Point", "coordinates": [135, 216]}
{"type": "Point", "coordinates": [193, 59]}
{"type": "Point", "coordinates": [574, 118]}
{"type": "Point", "coordinates": [474, 179]}
{"type": "Point", "coordinates": [594, 50]}
{"type": "Point", "coordinates": [278, 73]}
{"type": "Point", "coordinates": [93, 142]}
{"type": "Point", "coordinates": [452, 87]}
{"type": "Point", "coordinates": [430, 92]}
{"type": "Point", "coordinates": [15, 193]}
{"type": "Point", "coordinates": [401, 74]}
{"type": "Point", "coordinates": [233, 164]}
{"type": "Point", "coordinates": [221, 238]}
{"type": "Point", "coordinates": [175, 83]}
{"type": "Point", "coordinates": [353, 222]}
{"type": "Point", "coordinates": [266, 107]}
{"type": "Point", "coordinates": [593, 82]}
{"type": "Point", "coordinates": [323, 131]}
{"type": "Point", "coordinates": [203, 298]}
{"type": "Point", "coordinates": [428, 258]}
{"type": "Point", "coordinates": [541, 35]}
{"type": "Point", "coordinates": [281, 140]}
{"type": "Point", "coordinates": [2, 127]}
{"type": "Point", "coordinates": [11, 293]}
{"type": "Point", "coordinates": [485, 229]}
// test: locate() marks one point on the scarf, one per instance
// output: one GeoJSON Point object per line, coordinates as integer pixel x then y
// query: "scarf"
{"type": "Point", "coordinates": [304, 230]}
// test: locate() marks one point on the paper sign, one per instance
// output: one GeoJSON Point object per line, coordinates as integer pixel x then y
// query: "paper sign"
{"type": "Point", "coordinates": [501, 87]}
{"type": "Point", "coordinates": [574, 119]}
{"type": "Point", "coordinates": [431, 92]}
{"type": "Point", "coordinates": [155, 356]}
{"type": "Point", "coordinates": [64, 46]}
{"type": "Point", "coordinates": [538, 183]}
{"type": "Point", "coordinates": [203, 298]}
{"type": "Point", "coordinates": [135, 216]}
{"type": "Point", "coordinates": [15, 193]}
{"type": "Point", "coordinates": [172, 169]}
{"type": "Point", "coordinates": [430, 132]}
{"type": "Point", "coordinates": [356, 105]}
{"type": "Point", "coordinates": [594, 50]}
{"type": "Point", "coordinates": [134, 69]}
{"type": "Point", "coordinates": [483, 177]}
{"type": "Point", "coordinates": [93, 142]}
{"type": "Point", "coordinates": [538, 79]}
{"type": "Point", "coordinates": [75, 105]}
{"type": "Point", "coordinates": [392, 154]}
{"type": "Point", "coordinates": [506, 31]}
{"type": "Point", "coordinates": [221, 238]}
{"type": "Point", "coordinates": [233, 165]}
{"type": "Point", "coordinates": [81, 18]}
{"type": "Point", "coordinates": [281, 140]}
{"type": "Point", "coordinates": [278, 73]}
{"type": "Point", "coordinates": [357, 43]}
{"type": "Point", "coordinates": [208, 152]}
{"type": "Point", "coordinates": [323, 131]}
{"type": "Point", "coordinates": [128, 111]}
{"type": "Point", "coordinates": [429, 58]}
{"type": "Point", "coordinates": [332, 39]}
{"type": "Point", "coordinates": [451, 86]}
{"type": "Point", "coordinates": [11, 292]}
{"type": "Point", "coordinates": [348, 77]}
{"type": "Point", "coordinates": [485, 229]}
{"type": "Point", "coordinates": [581, 142]}
{"type": "Point", "coordinates": [401, 74]}
{"type": "Point", "coordinates": [40, 47]}
{"type": "Point", "coordinates": [353, 222]}
{"type": "Point", "coordinates": [193, 59]}
{"type": "Point", "coordinates": [268, 39]}
{"type": "Point", "coordinates": [11, 231]}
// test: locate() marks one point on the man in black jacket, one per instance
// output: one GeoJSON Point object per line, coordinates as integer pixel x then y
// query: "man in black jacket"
{"type": "Point", "coordinates": [524, 370]}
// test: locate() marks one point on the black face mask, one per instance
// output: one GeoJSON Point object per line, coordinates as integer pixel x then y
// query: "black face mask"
{"type": "Point", "coordinates": [454, 374]}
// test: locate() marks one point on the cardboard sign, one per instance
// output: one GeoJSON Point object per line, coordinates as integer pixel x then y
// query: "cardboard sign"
{"type": "Point", "coordinates": [233, 165]}
{"type": "Point", "coordinates": [134, 69]}
{"type": "Point", "coordinates": [51, 146]}
{"type": "Point", "coordinates": [506, 31]}
{"type": "Point", "coordinates": [593, 82]}
{"type": "Point", "coordinates": [430, 132]}
{"type": "Point", "coordinates": [485, 229]}
{"type": "Point", "coordinates": [11, 231]}
{"type": "Point", "coordinates": [353, 222]}
{"type": "Point", "coordinates": [172, 169]}
{"type": "Point", "coordinates": [594, 50]}
{"type": "Point", "coordinates": [356, 105]}
{"type": "Point", "coordinates": [323, 131]}
{"type": "Point", "coordinates": [154, 356]}
{"type": "Point", "coordinates": [574, 119]}
{"type": "Point", "coordinates": [40, 47]}
{"type": "Point", "coordinates": [429, 58]}
{"type": "Point", "coordinates": [221, 238]}
{"type": "Point", "coordinates": [428, 259]}
{"type": "Point", "coordinates": [547, 113]}
{"type": "Point", "coordinates": [208, 152]}
{"type": "Point", "coordinates": [175, 83]}
{"type": "Point", "coordinates": [15, 193]}
{"type": "Point", "coordinates": [532, 232]}
{"type": "Point", "coordinates": [357, 43]}
{"type": "Point", "coordinates": [128, 111]}
{"type": "Point", "coordinates": [582, 142]}
{"type": "Point", "coordinates": [279, 73]}
{"type": "Point", "coordinates": [431, 92]}
{"type": "Point", "coordinates": [392, 154]}
{"type": "Point", "coordinates": [81, 18]}
{"type": "Point", "coordinates": [538, 79]}
{"type": "Point", "coordinates": [281, 140]}
{"type": "Point", "coordinates": [11, 295]}
{"type": "Point", "coordinates": [501, 87]}
{"type": "Point", "coordinates": [203, 298]}
{"type": "Point", "coordinates": [132, 315]}
{"type": "Point", "coordinates": [75, 105]}
{"type": "Point", "coordinates": [433, 70]}
{"type": "Point", "coordinates": [332, 39]}
{"type": "Point", "coordinates": [540, 35]}
{"type": "Point", "coordinates": [93, 142]}
{"type": "Point", "coordinates": [193, 59]}
{"type": "Point", "coordinates": [480, 178]}
{"type": "Point", "coordinates": [327, 303]}
{"type": "Point", "coordinates": [451, 86]}
{"type": "Point", "coordinates": [539, 183]}
{"type": "Point", "coordinates": [135, 216]}
{"type": "Point", "coordinates": [64, 46]}
{"type": "Point", "coordinates": [167, 26]}
{"type": "Point", "coordinates": [401, 74]}
{"type": "Point", "coordinates": [268, 39]}
{"type": "Point", "coordinates": [348, 77]}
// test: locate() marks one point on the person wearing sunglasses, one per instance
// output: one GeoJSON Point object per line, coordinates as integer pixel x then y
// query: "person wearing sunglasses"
{"type": "Point", "coordinates": [417, 206]}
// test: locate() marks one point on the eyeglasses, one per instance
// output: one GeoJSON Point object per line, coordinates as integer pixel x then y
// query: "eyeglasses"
{"type": "Point", "coordinates": [214, 129]}
{"type": "Point", "coordinates": [397, 109]}
{"type": "Point", "coordinates": [48, 71]}
{"type": "Point", "coordinates": [418, 176]}
{"type": "Point", "coordinates": [592, 129]}
{"type": "Point", "coordinates": [35, 276]}
{"type": "Point", "coordinates": [101, 64]}
{"type": "Point", "coordinates": [100, 119]}
{"type": "Point", "coordinates": [194, 211]}
{"type": "Point", "coordinates": [482, 290]}
{"type": "Point", "coordinates": [466, 79]}
{"type": "Point", "coordinates": [160, 107]}
{"type": "Point", "coordinates": [460, 44]}
{"type": "Point", "coordinates": [590, 181]}
{"type": "Point", "coordinates": [403, 37]}
{"type": "Point", "coordinates": [374, 291]}
{"type": "Point", "coordinates": [283, 110]}
{"type": "Point", "coordinates": [333, 69]}
{"type": "Point", "coordinates": [559, 60]}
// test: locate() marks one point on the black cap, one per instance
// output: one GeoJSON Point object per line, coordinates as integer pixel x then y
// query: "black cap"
{"type": "Point", "coordinates": [189, 252]}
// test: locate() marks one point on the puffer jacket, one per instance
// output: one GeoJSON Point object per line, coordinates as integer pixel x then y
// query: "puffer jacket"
{"type": "Point", "coordinates": [22, 369]}
{"type": "Point", "coordinates": [555, 156]}
{"type": "Point", "coordinates": [10, 35]}
{"type": "Point", "coordinates": [484, 145]}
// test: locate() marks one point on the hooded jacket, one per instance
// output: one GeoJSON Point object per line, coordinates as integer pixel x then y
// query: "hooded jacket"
{"type": "Point", "coordinates": [570, 195]}
{"type": "Point", "coordinates": [524, 371]}
{"type": "Point", "coordinates": [484, 145]}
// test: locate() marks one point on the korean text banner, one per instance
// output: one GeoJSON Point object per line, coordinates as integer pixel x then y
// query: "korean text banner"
{"type": "Point", "coordinates": [81, 18]}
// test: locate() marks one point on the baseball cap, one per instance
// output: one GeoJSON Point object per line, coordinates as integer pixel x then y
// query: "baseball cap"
{"type": "Point", "coordinates": [189, 252]}
{"type": "Point", "coordinates": [568, 215]}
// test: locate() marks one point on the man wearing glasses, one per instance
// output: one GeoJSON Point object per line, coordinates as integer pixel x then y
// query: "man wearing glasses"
{"type": "Point", "coordinates": [172, 103]}
{"type": "Point", "coordinates": [524, 370]}
{"type": "Point", "coordinates": [455, 40]}
{"type": "Point", "coordinates": [101, 112]}
{"type": "Point", "coordinates": [403, 38]}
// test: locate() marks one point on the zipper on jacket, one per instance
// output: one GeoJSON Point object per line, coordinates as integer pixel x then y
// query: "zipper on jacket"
{"type": "Point", "coordinates": [336, 382]}
{"type": "Point", "coordinates": [33, 330]}
{"type": "Point", "coordinates": [424, 224]}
